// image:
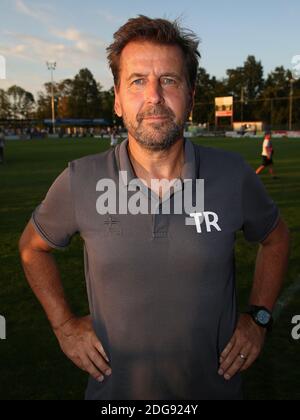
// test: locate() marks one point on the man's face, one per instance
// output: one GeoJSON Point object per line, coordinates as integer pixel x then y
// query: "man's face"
{"type": "Point", "coordinates": [153, 96]}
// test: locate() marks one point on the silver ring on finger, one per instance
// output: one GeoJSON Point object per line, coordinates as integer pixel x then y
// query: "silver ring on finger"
{"type": "Point", "coordinates": [243, 357]}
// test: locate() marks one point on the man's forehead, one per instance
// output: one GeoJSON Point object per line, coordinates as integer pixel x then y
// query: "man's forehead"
{"type": "Point", "coordinates": [140, 54]}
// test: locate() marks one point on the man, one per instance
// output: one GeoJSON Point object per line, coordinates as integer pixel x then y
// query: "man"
{"type": "Point", "coordinates": [163, 322]}
{"type": "Point", "coordinates": [2, 145]}
{"type": "Point", "coordinates": [267, 156]}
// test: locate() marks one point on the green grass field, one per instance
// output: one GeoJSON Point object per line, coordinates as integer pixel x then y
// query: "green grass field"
{"type": "Point", "coordinates": [31, 363]}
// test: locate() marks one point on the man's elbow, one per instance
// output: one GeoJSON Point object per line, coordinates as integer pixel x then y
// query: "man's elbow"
{"type": "Point", "coordinates": [27, 245]}
{"type": "Point", "coordinates": [31, 245]}
{"type": "Point", "coordinates": [24, 249]}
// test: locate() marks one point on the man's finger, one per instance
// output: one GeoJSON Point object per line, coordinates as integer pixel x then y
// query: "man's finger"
{"type": "Point", "coordinates": [237, 363]}
{"type": "Point", "coordinates": [250, 360]}
{"type": "Point", "coordinates": [89, 367]}
{"type": "Point", "coordinates": [235, 360]}
{"type": "Point", "coordinates": [229, 360]}
{"type": "Point", "coordinates": [100, 349]}
{"type": "Point", "coordinates": [228, 349]}
{"type": "Point", "coordinates": [99, 362]}
{"type": "Point", "coordinates": [234, 368]}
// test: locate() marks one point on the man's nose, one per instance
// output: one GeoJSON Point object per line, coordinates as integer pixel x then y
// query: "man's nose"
{"type": "Point", "coordinates": [154, 92]}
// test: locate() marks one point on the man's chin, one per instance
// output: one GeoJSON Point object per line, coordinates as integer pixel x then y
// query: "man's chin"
{"type": "Point", "coordinates": [156, 143]}
{"type": "Point", "coordinates": [157, 136]}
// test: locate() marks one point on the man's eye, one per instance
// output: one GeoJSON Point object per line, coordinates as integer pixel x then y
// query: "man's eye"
{"type": "Point", "coordinates": [138, 82]}
{"type": "Point", "coordinates": [167, 81]}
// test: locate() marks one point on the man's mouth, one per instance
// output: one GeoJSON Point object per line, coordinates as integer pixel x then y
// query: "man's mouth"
{"type": "Point", "coordinates": [156, 117]}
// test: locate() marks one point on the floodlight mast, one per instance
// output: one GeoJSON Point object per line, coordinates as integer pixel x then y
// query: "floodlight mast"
{"type": "Point", "coordinates": [292, 81]}
{"type": "Point", "coordinates": [51, 65]}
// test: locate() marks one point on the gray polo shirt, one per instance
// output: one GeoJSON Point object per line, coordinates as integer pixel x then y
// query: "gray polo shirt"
{"type": "Point", "coordinates": [161, 294]}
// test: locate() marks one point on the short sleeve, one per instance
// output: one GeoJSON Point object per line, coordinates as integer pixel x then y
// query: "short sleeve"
{"type": "Point", "coordinates": [54, 219]}
{"type": "Point", "coordinates": [260, 213]}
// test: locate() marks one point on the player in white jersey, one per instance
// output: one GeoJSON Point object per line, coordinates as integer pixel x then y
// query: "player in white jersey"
{"type": "Point", "coordinates": [267, 156]}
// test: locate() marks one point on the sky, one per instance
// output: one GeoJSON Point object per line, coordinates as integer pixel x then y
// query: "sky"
{"type": "Point", "coordinates": [76, 33]}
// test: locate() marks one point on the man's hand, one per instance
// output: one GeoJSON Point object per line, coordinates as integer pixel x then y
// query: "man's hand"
{"type": "Point", "coordinates": [80, 344]}
{"type": "Point", "coordinates": [243, 349]}
{"type": "Point", "coordinates": [76, 336]}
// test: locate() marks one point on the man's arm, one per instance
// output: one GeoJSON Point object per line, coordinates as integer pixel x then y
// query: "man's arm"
{"type": "Point", "coordinates": [248, 339]}
{"type": "Point", "coordinates": [75, 335]}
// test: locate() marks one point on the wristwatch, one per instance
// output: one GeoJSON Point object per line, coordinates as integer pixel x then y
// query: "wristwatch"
{"type": "Point", "coordinates": [261, 316]}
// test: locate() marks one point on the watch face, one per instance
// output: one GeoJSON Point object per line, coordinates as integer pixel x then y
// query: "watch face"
{"type": "Point", "coordinates": [263, 317]}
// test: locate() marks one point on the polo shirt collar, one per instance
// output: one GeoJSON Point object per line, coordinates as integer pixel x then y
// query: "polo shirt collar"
{"type": "Point", "coordinates": [188, 169]}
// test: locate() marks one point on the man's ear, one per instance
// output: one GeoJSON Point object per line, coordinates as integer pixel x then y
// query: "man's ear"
{"type": "Point", "coordinates": [117, 105]}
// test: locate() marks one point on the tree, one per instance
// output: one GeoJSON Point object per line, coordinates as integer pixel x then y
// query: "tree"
{"type": "Point", "coordinates": [235, 82]}
{"type": "Point", "coordinates": [44, 110]}
{"type": "Point", "coordinates": [81, 97]}
{"type": "Point", "coordinates": [64, 89]}
{"type": "Point", "coordinates": [62, 92]}
{"type": "Point", "coordinates": [206, 89]}
{"type": "Point", "coordinates": [253, 77]}
{"type": "Point", "coordinates": [246, 84]}
{"type": "Point", "coordinates": [4, 105]}
{"type": "Point", "coordinates": [296, 107]}
{"type": "Point", "coordinates": [21, 102]}
{"type": "Point", "coordinates": [274, 105]}
{"type": "Point", "coordinates": [108, 99]}
{"type": "Point", "coordinates": [85, 96]}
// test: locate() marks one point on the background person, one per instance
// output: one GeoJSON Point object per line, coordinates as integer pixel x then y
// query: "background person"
{"type": "Point", "coordinates": [267, 156]}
